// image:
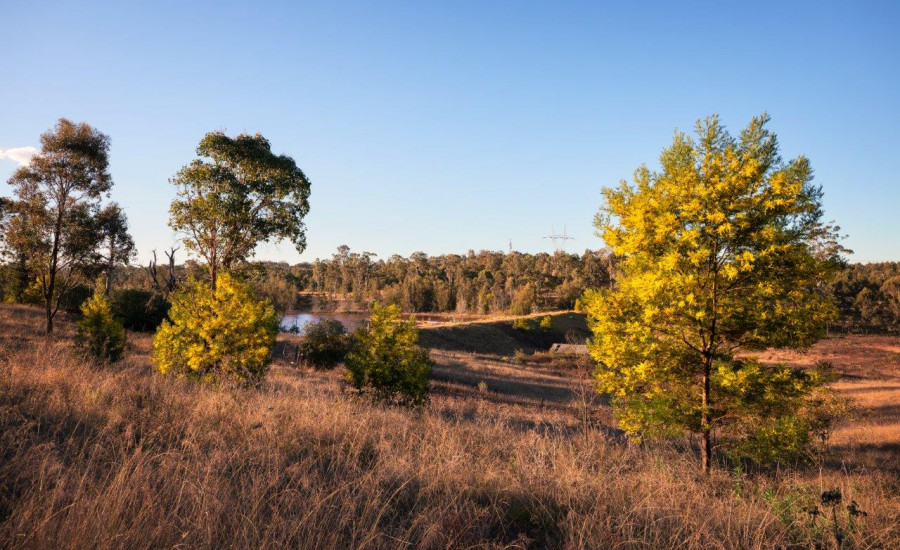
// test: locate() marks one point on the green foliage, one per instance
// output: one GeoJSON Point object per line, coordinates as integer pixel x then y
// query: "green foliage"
{"type": "Point", "coordinates": [139, 310]}
{"type": "Point", "coordinates": [524, 300]}
{"type": "Point", "coordinates": [522, 324]}
{"type": "Point", "coordinates": [277, 281]}
{"type": "Point", "coordinates": [75, 297]}
{"type": "Point", "coordinates": [99, 333]}
{"type": "Point", "coordinates": [773, 414]}
{"type": "Point", "coordinates": [324, 345]}
{"type": "Point", "coordinates": [482, 282]}
{"type": "Point", "coordinates": [117, 246]}
{"type": "Point", "coordinates": [837, 525]}
{"type": "Point", "coordinates": [15, 278]}
{"type": "Point", "coordinates": [546, 323]}
{"type": "Point", "coordinates": [222, 332]}
{"type": "Point", "coordinates": [385, 359]}
{"type": "Point", "coordinates": [242, 195]}
{"type": "Point", "coordinates": [868, 296]}
{"type": "Point", "coordinates": [54, 222]}
{"type": "Point", "coordinates": [720, 251]}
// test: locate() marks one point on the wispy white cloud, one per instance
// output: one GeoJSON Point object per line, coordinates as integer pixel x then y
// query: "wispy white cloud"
{"type": "Point", "coordinates": [20, 155]}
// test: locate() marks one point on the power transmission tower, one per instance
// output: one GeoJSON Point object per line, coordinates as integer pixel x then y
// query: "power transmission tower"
{"type": "Point", "coordinates": [559, 239]}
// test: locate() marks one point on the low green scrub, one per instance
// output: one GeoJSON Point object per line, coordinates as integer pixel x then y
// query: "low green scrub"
{"type": "Point", "coordinates": [325, 344]}
{"type": "Point", "coordinates": [139, 310]}
{"type": "Point", "coordinates": [99, 333]}
{"type": "Point", "coordinates": [385, 361]}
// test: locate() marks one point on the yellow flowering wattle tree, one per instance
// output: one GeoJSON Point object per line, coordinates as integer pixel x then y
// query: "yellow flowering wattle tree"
{"type": "Point", "coordinates": [99, 333]}
{"type": "Point", "coordinates": [721, 252]}
{"type": "Point", "coordinates": [225, 331]}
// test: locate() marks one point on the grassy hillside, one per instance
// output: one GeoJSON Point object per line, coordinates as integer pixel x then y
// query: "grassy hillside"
{"type": "Point", "coordinates": [500, 338]}
{"type": "Point", "coordinates": [119, 457]}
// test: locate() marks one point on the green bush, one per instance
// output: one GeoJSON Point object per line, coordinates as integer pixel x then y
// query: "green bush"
{"type": "Point", "coordinates": [76, 296]}
{"type": "Point", "coordinates": [521, 324]}
{"type": "Point", "coordinates": [139, 310]}
{"type": "Point", "coordinates": [99, 333]}
{"type": "Point", "coordinates": [324, 345]}
{"type": "Point", "coordinates": [385, 360]}
{"type": "Point", "coordinates": [222, 332]}
{"type": "Point", "coordinates": [15, 278]}
{"type": "Point", "coordinates": [546, 323]}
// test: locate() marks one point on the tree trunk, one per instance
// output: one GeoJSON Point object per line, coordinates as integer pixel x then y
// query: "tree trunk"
{"type": "Point", "coordinates": [706, 450]}
{"type": "Point", "coordinates": [50, 284]}
{"type": "Point", "coordinates": [49, 318]}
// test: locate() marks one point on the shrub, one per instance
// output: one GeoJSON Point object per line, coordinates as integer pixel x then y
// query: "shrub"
{"type": "Point", "coordinates": [139, 310]}
{"type": "Point", "coordinates": [521, 324]}
{"type": "Point", "coordinates": [520, 357]}
{"type": "Point", "coordinates": [15, 279]}
{"type": "Point", "coordinates": [99, 333]}
{"type": "Point", "coordinates": [325, 344]}
{"type": "Point", "coordinates": [385, 359]}
{"type": "Point", "coordinates": [225, 331]}
{"type": "Point", "coordinates": [76, 296]}
{"type": "Point", "coordinates": [783, 415]}
{"type": "Point", "coordinates": [546, 323]}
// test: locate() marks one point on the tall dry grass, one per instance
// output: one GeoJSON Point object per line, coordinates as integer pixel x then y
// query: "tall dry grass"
{"type": "Point", "coordinates": [120, 457]}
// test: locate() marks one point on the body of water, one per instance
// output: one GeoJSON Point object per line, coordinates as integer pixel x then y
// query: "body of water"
{"type": "Point", "coordinates": [351, 321]}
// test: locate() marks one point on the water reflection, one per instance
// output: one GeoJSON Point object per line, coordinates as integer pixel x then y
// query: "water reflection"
{"type": "Point", "coordinates": [351, 321]}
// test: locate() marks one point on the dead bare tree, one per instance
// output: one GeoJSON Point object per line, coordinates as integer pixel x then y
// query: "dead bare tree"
{"type": "Point", "coordinates": [169, 282]}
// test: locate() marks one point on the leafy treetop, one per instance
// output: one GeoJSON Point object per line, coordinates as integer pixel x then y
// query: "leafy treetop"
{"type": "Point", "coordinates": [53, 221]}
{"type": "Point", "coordinates": [721, 250]}
{"type": "Point", "coordinates": [237, 196]}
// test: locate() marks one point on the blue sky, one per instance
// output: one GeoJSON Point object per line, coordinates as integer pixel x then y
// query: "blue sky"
{"type": "Point", "coordinates": [450, 126]}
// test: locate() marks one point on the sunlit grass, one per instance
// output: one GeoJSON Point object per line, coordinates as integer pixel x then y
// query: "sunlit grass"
{"type": "Point", "coordinates": [121, 457]}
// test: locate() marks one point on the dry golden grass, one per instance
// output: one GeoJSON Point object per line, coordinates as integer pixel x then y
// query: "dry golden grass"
{"type": "Point", "coordinates": [869, 370]}
{"type": "Point", "coordinates": [120, 457]}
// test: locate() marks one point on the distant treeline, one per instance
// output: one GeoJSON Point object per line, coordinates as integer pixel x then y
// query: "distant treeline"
{"type": "Point", "coordinates": [482, 282]}
{"type": "Point", "coordinates": [475, 283]}
{"type": "Point", "coordinates": [867, 295]}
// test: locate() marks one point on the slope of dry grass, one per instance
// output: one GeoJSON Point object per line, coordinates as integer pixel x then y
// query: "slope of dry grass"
{"type": "Point", "coordinates": [869, 373]}
{"type": "Point", "coordinates": [120, 457]}
{"type": "Point", "coordinates": [498, 337]}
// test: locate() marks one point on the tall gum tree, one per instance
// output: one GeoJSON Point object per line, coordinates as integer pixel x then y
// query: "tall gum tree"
{"type": "Point", "coordinates": [238, 195]}
{"type": "Point", "coordinates": [58, 196]}
{"type": "Point", "coordinates": [720, 253]}
{"type": "Point", "coordinates": [117, 245]}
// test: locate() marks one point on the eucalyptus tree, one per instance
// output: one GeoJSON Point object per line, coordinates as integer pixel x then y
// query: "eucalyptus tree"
{"type": "Point", "coordinates": [6, 206]}
{"type": "Point", "coordinates": [237, 195]}
{"type": "Point", "coordinates": [117, 246]}
{"type": "Point", "coordinates": [58, 197]}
